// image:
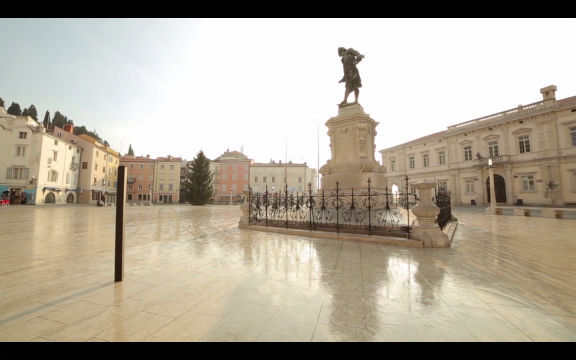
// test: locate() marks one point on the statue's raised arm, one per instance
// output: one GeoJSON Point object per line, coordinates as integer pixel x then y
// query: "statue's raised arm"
{"type": "Point", "coordinates": [350, 58]}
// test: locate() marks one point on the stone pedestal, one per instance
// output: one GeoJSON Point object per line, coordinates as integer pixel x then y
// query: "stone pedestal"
{"type": "Point", "coordinates": [352, 135]}
{"type": "Point", "coordinates": [426, 212]}
{"type": "Point", "coordinates": [245, 207]}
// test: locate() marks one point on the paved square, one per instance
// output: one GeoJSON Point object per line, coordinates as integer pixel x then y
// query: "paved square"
{"type": "Point", "coordinates": [192, 275]}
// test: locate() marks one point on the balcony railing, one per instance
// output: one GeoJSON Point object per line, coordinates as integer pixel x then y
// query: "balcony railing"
{"type": "Point", "coordinates": [74, 166]}
{"type": "Point", "coordinates": [131, 181]}
{"type": "Point", "coordinates": [495, 160]}
{"type": "Point", "coordinates": [520, 110]}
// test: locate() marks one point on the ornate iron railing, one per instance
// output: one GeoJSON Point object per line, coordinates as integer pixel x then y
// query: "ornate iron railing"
{"type": "Point", "coordinates": [357, 211]}
{"type": "Point", "coordinates": [443, 201]}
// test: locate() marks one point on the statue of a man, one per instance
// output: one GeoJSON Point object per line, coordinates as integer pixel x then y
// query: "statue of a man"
{"type": "Point", "coordinates": [350, 58]}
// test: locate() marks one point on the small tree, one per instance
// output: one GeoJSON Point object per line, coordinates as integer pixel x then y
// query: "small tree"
{"type": "Point", "coordinates": [550, 186]}
{"type": "Point", "coordinates": [46, 121]}
{"type": "Point", "coordinates": [14, 109]}
{"type": "Point", "coordinates": [197, 189]}
{"type": "Point", "coordinates": [130, 151]}
{"type": "Point", "coordinates": [1, 102]}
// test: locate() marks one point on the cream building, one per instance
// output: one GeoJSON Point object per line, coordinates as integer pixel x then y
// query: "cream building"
{"type": "Point", "coordinates": [530, 145]}
{"type": "Point", "coordinates": [41, 168]}
{"type": "Point", "coordinates": [98, 169]}
{"type": "Point", "coordinates": [277, 175]}
{"type": "Point", "coordinates": [167, 180]}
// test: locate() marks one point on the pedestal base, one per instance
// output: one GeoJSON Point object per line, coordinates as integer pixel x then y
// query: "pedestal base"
{"type": "Point", "coordinates": [432, 237]}
{"type": "Point", "coordinates": [355, 180]}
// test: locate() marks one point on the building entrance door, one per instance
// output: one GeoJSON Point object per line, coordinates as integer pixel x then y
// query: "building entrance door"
{"type": "Point", "coordinates": [500, 186]}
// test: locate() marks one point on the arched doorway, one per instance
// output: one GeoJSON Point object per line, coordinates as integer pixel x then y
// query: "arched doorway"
{"type": "Point", "coordinates": [50, 198]}
{"type": "Point", "coordinates": [70, 199]}
{"type": "Point", "coordinates": [500, 186]}
{"type": "Point", "coordinates": [395, 193]}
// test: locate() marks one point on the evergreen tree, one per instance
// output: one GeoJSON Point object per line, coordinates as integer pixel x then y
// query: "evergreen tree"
{"type": "Point", "coordinates": [1, 102]}
{"type": "Point", "coordinates": [31, 111]}
{"type": "Point", "coordinates": [14, 109]}
{"type": "Point", "coordinates": [59, 119]}
{"type": "Point", "coordinates": [197, 189]}
{"type": "Point", "coordinates": [130, 151]}
{"type": "Point", "coordinates": [46, 121]}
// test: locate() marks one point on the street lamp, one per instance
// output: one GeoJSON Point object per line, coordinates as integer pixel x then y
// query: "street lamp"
{"type": "Point", "coordinates": [150, 199]}
{"type": "Point", "coordinates": [230, 197]}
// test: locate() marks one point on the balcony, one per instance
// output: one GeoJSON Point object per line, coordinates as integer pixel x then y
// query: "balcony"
{"type": "Point", "coordinates": [495, 160]}
{"type": "Point", "coordinates": [131, 181]}
{"type": "Point", "coordinates": [74, 166]}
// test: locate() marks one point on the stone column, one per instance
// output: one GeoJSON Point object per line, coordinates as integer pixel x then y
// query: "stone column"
{"type": "Point", "coordinates": [426, 212]}
{"type": "Point", "coordinates": [245, 207]}
{"type": "Point", "coordinates": [509, 186]}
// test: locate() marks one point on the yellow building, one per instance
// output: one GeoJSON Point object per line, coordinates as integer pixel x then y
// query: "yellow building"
{"type": "Point", "coordinates": [167, 180]}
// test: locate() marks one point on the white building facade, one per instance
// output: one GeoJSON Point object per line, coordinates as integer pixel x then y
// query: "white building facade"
{"type": "Point", "coordinates": [40, 167]}
{"type": "Point", "coordinates": [533, 149]}
{"type": "Point", "coordinates": [276, 176]}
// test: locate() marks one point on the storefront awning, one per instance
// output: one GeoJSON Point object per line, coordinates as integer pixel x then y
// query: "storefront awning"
{"type": "Point", "coordinates": [75, 190]}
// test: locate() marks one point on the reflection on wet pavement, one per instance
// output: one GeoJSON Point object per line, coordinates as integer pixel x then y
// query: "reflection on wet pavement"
{"type": "Point", "coordinates": [192, 275]}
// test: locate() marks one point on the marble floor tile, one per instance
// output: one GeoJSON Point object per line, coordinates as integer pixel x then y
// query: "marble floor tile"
{"type": "Point", "coordinates": [70, 313]}
{"type": "Point", "coordinates": [192, 275]}
{"type": "Point", "coordinates": [29, 330]}
{"type": "Point", "coordinates": [291, 324]}
{"type": "Point", "coordinates": [87, 328]}
{"type": "Point", "coordinates": [136, 328]}
{"type": "Point", "coordinates": [245, 323]}
{"type": "Point", "coordinates": [189, 327]}
{"type": "Point", "coordinates": [538, 326]}
{"type": "Point", "coordinates": [391, 333]}
{"type": "Point", "coordinates": [223, 302]}
{"type": "Point", "coordinates": [338, 333]}
{"type": "Point", "coordinates": [343, 310]}
{"type": "Point", "coordinates": [489, 326]}
{"type": "Point", "coordinates": [442, 330]}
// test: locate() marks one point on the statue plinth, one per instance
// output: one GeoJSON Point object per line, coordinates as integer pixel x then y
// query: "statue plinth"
{"type": "Point", "coordinates": [352, 135]}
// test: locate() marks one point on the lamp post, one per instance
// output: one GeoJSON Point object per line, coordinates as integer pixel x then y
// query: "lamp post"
{"type": "Point", "coordinates": [230, 197]}
{"type": "Point", "coordinates": [150, 199]}
{"type": "Point", "coordinates": [493, 210]}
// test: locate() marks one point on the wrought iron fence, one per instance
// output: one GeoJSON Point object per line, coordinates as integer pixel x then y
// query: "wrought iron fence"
{"type": "Point", "coordinates": [443, 201]}
{"type": "Point", "coordinates": [358, 211]}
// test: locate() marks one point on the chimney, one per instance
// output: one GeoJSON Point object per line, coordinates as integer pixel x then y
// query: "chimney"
{"type": "Point", "coordinates": [549, 95]}
{"type": "Point", "coordinates": [147, 156]}
{"type": "Point", "coordinates": [69, 128]}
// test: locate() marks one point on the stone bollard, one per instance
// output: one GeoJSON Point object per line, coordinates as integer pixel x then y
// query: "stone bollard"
{"type": "Point", "coordinates": [426, 212]}
{"type": "Point", "coordinates": [245, 207]}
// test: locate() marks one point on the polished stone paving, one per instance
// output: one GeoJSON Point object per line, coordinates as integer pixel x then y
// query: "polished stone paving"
{"type": "Point", "coordinates": [192, 275]}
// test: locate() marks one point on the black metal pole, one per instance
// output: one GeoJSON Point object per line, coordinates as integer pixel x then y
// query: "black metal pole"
{"type": "Point", "coordinates": [266, 203]}
{"type": "Point", "coordinates": [286, 202]}
{"type": "Point", "coordinates": [120, 207]}
{"type": "Point", "coordinates": [407, 209]}
{"type": "Point", "coordinates": [310, 205]}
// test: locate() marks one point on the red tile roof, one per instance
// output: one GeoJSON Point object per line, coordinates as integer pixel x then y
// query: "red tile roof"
{"type": "Point", "coordinates": [566, 101]}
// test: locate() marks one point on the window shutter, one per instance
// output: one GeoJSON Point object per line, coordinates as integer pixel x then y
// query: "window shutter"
{"type": "Point", "coordinates": [9, 173]}
{"type": "Point", "coordinates": [26, 174]}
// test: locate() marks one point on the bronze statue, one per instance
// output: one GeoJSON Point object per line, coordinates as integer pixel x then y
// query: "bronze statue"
{"type": "Point", "coordinates": [350, 58]}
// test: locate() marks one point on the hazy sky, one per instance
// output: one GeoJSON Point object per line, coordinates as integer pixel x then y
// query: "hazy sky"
{"type": "Point", "coordinates": [175, 86]}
